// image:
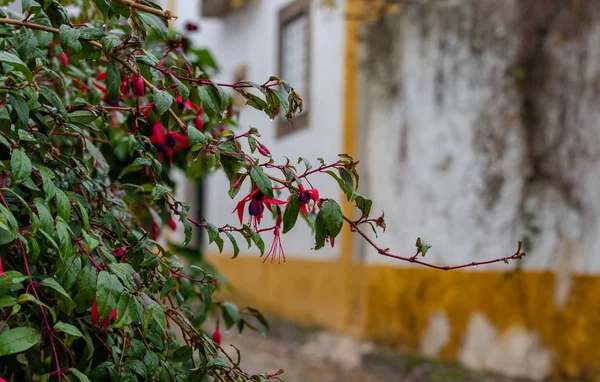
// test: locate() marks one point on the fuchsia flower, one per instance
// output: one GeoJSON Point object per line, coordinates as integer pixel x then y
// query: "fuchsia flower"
{"type": "Point", "coordinates": [191, 27]}
{"type": "Point", "coordinates": [168, 143]}
{"type": "Point", "coordinates": [256, 208]}
{"type": "Point", "coordinates": [1, 268]}
{"type": "Point", "coordinates": [137, 83]}
{"type": "Point", "coordinates": [173, 224]}
{"type": "Point", "coordinates": [276, 247]}
{"type": "Point", "coordinates": [198, 121]}
{"type": "Point", "coordinates": [179, 102]}
{"type": "Point", "coordinates": [216, 337]}
{"type": "Point", "coordinates": [305, 196]}
{"type": "Point", "coordinates": [64, 59]}
{"type": "Point", "coordinates": [154, 232]}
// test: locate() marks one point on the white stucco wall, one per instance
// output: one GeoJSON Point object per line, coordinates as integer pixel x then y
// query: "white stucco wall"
{"type": "Point", "coordinates": [250, 36]}
{"type": "Point", "coordinates": [447, 152]}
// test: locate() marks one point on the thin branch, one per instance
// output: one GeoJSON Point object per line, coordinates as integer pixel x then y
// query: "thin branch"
{"type": "Point", "coordinates": [44, 317]}
{"type": "Point", "coordinates": [385, 252]}
{"type": "Point", "coordinates": [164, 14]}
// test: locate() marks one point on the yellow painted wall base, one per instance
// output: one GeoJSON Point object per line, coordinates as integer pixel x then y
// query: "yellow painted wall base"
{"type": "Point", "coordinates": [393, 305]}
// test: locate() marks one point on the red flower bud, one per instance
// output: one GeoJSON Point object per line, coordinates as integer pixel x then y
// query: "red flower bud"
{"type": "Point", "coordinates": [139, 88]}
{"type": "Point", "coordinates": [1, 268]}
{"type": "Point", "coordinates": [119, 252]}
{"type": "Point", "coordinates": [154, 232]}
{"type": "Point", "coordinates": [198, 121]}
{"type": "Point", "coordinates": [263, 149]}
{"type": "Point", "coordinates": [105, 323]}
{"type": "Point", "coordinates": [113, 314]}
{"type": "Point", "coordinates": [95, 316]}
{"type": "Point", "coordinates": [191, 27]}
{"type": "Point", "coordinates": [124, 84]}
{"type": "Point", "coordinates": [64, 59]}
{"type": "Point", "coordinates": [173, 224]}
{"type": "Point", "coordinates": [216, 337]}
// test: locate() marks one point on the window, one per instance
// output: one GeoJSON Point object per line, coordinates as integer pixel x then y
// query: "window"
{"type": "Point", "coordinates": [294, 58]}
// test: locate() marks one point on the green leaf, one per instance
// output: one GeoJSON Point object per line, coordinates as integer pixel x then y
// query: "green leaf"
{"type": "Point", "coordinates": [196, 139]}
{"type": "Point", "coordinates": [259, 316]}
{"type": "Point", "coordinates": [53, 284]}
{"type": "Point", "coordinates": [85, 221]}
{"type": "Point", "coordinates": [46, 220]}
{"type": "Point", "coordinates": [213, 235]}
{"type": "Point", "coordinates": [307, 163]}
{"type": "Point", "coordinates": [69, 273]}
{"type": "Point", "coordinates": [290, 215]}
{"type": "Point", "coordinates": [136, 165]}
{"type": "Point", "coordinates": [422, 246]}
{"type": "Point", "coordinates": [64, 239]}
{"type": "Point", "coordinates": [63, 205]}
{"type": "Point", "coordinates": [107, 293]}
{"type": "Point", "coordinates": [258, 241]}
{"type": "Point", "coordinates": [124, 272]}
{"type": "Point", "coordinates": [47, 183]}
{"type": "Point", "coordinates": [82, 377]}
{"type": "Point", "coordinates": [82, 116]}
{"type": "Point", "coordinates": [332, 217]}
{"type": "Point", "coordinates": [7, 301]}
{"type": "Point", "coordinates": [162, 100]}
{"type": "Point", "coordinates": [181, 354]}
{"type": "Point", "coordinates": [68, 329]}
{"type": "Point", "coordinates": [69, 38]}
{"type": "Point", "coordinates": [11, 282]}
{"type": "Point", "coordinates": [320, 231]}
{"type": "Point", "coordinates": [151, 362]}
{"type": "Point", "coordinates": [167, 287]}
{"type": "Point", "coordinates": [127, 310]}
{"type": "Point", "coordinates": [363, 204]}
{"type": "Point", "coordinates": [153, 311]}
{"type": "Point", "coordinates": [209, 97]}
{"type": "Point", "coordinates": [236, 249]}
{"type": "Point", "coordinates": [20, 165]}
{"type": "Point", "coordinates": [347, 182]}
{"type": "Point", "coordinates": [86, 288]}
{"type": "Point", "coordinates": [155, 22]}
{"type": "Point", "coordinates": [96, 154]}
{"type": "Point", "coordinates": [231, 314]}
{"type": "Point", "coordinates": [17, 340]}
{"type": "Point", "coordinates": [51, 97]}
{"type": "Point", "coordinates": [12, 222]}
{"type": "Point", "coordinates": [187, 230]}
{"type": "Point", "coordinates": [11, 59]}
{"type": "Point", "coordinates": [91, 33]}
{"type": "Point", "coordinates": [260, 179]}
{"type": "Point", "coordinates": [147, 58]}
{"type": "Point", "coordinates": [113, 82]}
{"type": "Point", "coordinates": [20, 106]}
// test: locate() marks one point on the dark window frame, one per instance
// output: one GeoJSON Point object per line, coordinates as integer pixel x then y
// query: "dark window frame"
{"type": "Point", "coordinates": [287, 14]}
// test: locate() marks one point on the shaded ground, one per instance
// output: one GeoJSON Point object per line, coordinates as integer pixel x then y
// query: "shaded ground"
{"type": "Point", "coordinates": [312, 355]}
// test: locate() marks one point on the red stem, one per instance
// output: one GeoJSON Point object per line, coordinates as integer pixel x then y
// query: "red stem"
{"type": "Point", "coordinates": [44, 317]}
{"type": "Point", "coordinates": [384, 252]}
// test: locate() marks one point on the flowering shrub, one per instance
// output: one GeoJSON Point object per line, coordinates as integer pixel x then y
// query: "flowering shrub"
{"type": "Point", "coordinates": [96, 108]}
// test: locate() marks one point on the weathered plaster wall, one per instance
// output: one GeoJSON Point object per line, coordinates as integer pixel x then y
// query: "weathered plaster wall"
{"type": "Point", "coordinates": [480, 127]}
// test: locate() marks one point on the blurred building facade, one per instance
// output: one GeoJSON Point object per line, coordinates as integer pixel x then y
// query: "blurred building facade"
{"type": "Point", "coordinates": [476, 126]}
